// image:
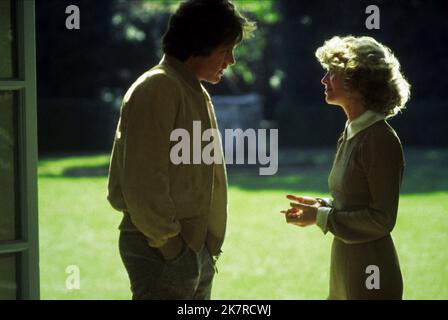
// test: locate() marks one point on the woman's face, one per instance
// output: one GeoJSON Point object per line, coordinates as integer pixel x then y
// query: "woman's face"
{"type": "Point", "coordinates": [335, 93]}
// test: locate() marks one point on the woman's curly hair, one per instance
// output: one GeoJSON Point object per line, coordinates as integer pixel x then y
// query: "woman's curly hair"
{"type": "Point", "coordinates": [369, 69]}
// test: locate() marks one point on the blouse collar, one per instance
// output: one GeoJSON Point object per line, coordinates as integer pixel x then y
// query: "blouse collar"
{"type": "Point", "coordinates": [365, 120]}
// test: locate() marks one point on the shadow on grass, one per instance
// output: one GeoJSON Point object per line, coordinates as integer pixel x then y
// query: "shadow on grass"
{"type": "Point", "coordinates": [305, 170]}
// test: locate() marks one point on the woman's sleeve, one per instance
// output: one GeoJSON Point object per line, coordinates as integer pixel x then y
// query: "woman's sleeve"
{"type": "Point", "coordinates": [322, 213]}
{"type": "Point", "coordinates": [381, 158]}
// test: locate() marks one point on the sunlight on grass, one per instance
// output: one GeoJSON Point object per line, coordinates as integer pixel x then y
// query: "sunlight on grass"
{"type": "Point", "coordinates": [263, 257]}
{"type": "Point", "coordinates": [58, 166]}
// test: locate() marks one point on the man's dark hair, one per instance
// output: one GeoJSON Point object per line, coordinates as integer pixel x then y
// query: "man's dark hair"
{"type": "Point", "coordinates": [200, 26]}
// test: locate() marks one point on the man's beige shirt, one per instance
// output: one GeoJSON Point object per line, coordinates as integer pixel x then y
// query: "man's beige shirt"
{"type": "Point", "coordinates": [163, 199]}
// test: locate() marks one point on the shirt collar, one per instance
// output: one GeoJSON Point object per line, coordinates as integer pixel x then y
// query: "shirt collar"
{"type": "Point", "coordinates": [365, 120]}
{"type": "Point", "coordinates": [181, 68]}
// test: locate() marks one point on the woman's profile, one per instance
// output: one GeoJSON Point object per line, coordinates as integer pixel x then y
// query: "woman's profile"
{"type": "Point", "coordinates": [363, 78]}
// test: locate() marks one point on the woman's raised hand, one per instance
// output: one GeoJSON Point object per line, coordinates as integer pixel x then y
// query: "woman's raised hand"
{"type": "Point", "coordinates": [302, 199]}
{"type": "Point", "coordinates": [303, 211]}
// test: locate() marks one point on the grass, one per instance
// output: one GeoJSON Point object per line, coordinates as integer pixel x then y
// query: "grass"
{"type": "Point", "coordinates": [263, 257]}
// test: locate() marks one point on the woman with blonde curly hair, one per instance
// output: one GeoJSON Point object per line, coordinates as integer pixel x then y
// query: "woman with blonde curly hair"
{"type": "Point", "coordinates": [363, 78]}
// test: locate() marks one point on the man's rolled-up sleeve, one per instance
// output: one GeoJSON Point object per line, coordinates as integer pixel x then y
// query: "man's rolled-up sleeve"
{"type": "Point", "coordinates": [146, 182]}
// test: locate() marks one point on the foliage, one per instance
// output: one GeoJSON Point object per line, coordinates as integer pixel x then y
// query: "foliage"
{"type": "Point", "coordinates": [144, 20]}
{"type": "Point", "coordinates": [119, 40]}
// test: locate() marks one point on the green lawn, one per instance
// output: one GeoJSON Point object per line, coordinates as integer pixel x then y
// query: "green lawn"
{"type": "Point", "coordinates": [263, 257]}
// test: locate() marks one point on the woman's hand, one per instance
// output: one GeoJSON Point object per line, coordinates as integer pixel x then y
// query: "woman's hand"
{"type": "Point", "coordinates": [303, 212]}
{"type": "Point", "coordinates": [303, 199]}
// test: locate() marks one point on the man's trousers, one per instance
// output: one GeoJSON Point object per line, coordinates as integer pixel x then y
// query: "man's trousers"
{"type": "Point", "coordinates": [188, 276]}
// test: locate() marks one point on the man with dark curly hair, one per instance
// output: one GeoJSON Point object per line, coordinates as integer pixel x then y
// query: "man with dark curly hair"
{"type": "Point", "coordinates": [174, 215]}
